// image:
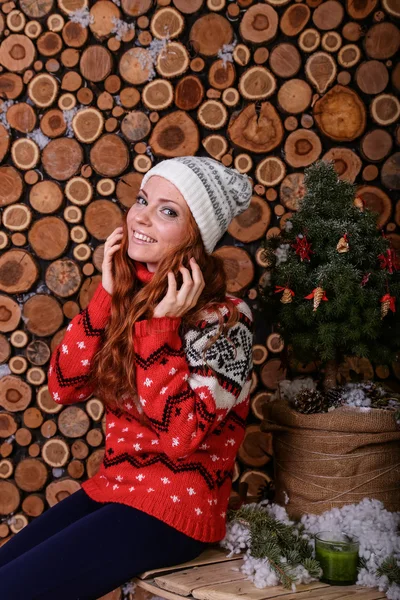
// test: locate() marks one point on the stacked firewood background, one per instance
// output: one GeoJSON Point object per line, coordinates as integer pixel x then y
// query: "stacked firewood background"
{"type": "Point", "coordinates": [92, 95]}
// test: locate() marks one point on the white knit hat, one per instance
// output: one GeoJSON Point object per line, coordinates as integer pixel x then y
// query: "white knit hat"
{"type": "Point", "coordinates": [214, 193]}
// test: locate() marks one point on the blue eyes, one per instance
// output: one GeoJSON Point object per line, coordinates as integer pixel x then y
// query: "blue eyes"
{"type": "Point", "coordinates": [172, 212]}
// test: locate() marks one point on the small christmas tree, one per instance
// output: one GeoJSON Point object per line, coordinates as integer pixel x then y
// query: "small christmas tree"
{"type": "Point", "coordinates": [334, 278]}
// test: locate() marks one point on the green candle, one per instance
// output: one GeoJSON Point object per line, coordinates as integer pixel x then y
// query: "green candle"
{"type": "Point", "coordinates": [338, 556]}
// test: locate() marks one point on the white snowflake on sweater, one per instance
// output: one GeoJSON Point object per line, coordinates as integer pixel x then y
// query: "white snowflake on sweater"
{"type": "Point", "coordinates": [50, 370]}
{"type": "Point", "coordinates": [120, 440]}
{"type": "Point", "coordinates": [190, 417]}
{"type": "Point", "coordinates": [139, 435]}
{"type": "Point", "coordinates": [154, 442]}
{"type": "Point", "coordinates": [165, 480]}
{"type": "Point", "coordinates": [125, 429]}
{"type": "Point", "coordinates": [198, 511]}
{"type": "Point", "coordinates": [81, 345]}
{"type": "Point", "coordinates": [175, 441]}
{"type": "Point", "coordinates": [115, 486]}
{"type": "Point", "coordinates": [231, 441]}
{"type": "Point", "coordinates": [131, 489]}
{"type": "Point", "coordinates": [148, 382]}
{"type": "Point", "coordinates": [191, 491]}
{"type": "Point", "coordinates": [119, 478]}
{"type": "Point", "coordinates": [175, 498]}
{"type": "Point", "coordinates": [56, 397]}
{"type": "Point", "coordinates": [64, 349]}
{"type": "Point", "coordinates": [137, 447]}
{"type": "Point", "coordinates": [172, 371]}
{"type": "Point", "coordinates": [69, 327]}
{"type": "Point", "coordinates": [112, 424]}
{"type": "Point", "coordinates": [140, 477]}
{"type": "Point", "coordinates": [163, 390]}
{"type": "Point", "coordinates": [85, 362]}
{"type": "Point", "coordinates": [150, 489]}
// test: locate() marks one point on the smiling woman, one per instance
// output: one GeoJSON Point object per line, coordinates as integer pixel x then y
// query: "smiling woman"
{"type": "Point", "coordinates": [170, 355]}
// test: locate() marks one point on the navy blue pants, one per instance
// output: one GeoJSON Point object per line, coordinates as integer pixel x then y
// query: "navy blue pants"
{"type": "Point", "coordinates": [81, 549]}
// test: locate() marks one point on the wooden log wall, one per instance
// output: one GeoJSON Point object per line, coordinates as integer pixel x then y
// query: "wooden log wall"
{"type": "Point", "coordinates": [92, 95]}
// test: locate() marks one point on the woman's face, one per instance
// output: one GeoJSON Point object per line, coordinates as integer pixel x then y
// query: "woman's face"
{"type": "Point", "coordinates": [160, 215]}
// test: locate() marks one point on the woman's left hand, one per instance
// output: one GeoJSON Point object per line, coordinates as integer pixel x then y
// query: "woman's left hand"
{"type": "Point", "coordinates": [177, 302]}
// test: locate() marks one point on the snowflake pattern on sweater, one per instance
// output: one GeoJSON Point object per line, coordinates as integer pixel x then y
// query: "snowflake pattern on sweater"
{"type": "Point", "coordinates": [178, 467]}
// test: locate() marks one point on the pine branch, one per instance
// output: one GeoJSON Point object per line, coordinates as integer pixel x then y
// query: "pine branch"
{"type": "Point", "coordinates": [391, 568]}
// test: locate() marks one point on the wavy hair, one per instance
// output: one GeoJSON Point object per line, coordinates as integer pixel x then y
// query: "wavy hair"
{"type": "Point", "coordinates": [113, 367]}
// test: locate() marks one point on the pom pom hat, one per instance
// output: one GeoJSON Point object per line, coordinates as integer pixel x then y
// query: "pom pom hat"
{"type": "Point", "coordinates": [214, 193]}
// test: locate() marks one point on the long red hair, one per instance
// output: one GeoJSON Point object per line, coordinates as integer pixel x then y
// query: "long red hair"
{"type": "Point", "coordinates": [113, 367]}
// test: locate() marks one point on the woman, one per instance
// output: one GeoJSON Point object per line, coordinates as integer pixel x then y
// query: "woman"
{"type": "Point", "coordinates": [170, 354]}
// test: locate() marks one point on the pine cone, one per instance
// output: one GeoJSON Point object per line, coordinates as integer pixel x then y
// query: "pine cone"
{"type": "Point", "coordinates": [310, 402]}
{"type": "Point", "coordinates": [334, 397]}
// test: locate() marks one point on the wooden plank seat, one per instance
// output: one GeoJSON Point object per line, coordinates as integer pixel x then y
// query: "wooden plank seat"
{"type": "Point", "coordinates": [213, 576]}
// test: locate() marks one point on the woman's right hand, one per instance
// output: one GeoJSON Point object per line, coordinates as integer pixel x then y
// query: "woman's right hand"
{"type": "Point", "coordinates": [110, 247]}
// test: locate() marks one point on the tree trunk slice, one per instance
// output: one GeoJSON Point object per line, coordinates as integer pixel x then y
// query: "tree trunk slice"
{"type": "Point", "coordinates": [294, 96]}
{"type": "Point", "coordinates": [49, 44]}
{"type": "Point", "coordinates": [272, 372]}
{"type": "Point", "coordinates": [216, 145]}
{"type": "Point", "coordinates": [382, 41]}
{"type": "Point", "coordinates": [292, 190]}
{"type": "Point", "coordinates": [136, 126]}
{"type": "Point", "coordinates": [331, 41]}
{"type": "Point", "coordinates": [109, 156]}
{"type": "Point", "coordinates": [340, 114]}
{"type": "Point", "coordinates": [75, 36]}
{"type": "Point", "coordinates": [17, 217]}
{"type": "Point", "coordinates": [135, 66]}
{"type": "Point", "coordinates": [10, 314]}
{"type": "Point", "coordinates": [127, 189]}
{"type": "Point", "coordinates": [71, 81]}
{"type": "Point", "coordinates": [210, 32]}
{"type": "Point", "coordinates": [11, 185]}
{"type": "Point", "coordinates": [385, 109]}
{"type": "Point", "coordinates": [103, 13]}
{"type": "Point", "coordinates": [189, 91]}
{"type": "Point", "coordinates": [33, 505]}
{"type": "Point", "coordinates": [390, 173]}
{"type": "Point", "coordinates": [253, 223]}
{"type": "Point", "coordinates": [302, 148]}
{"type": "Point", "coordinates": [260, 354]}
{"type": "Point", "coordinates": [285, 60]}
{"type": "Point", "coordinates": [88, 289]}
{"type": "Point", "coordinates": [4, 142]}
{"type": "Point", "coordinates": [258, 401]}
{"type": "Point", "coordinates": [159, 95]}
{"type": "Point", "coordinates": [53, 124]}
{"type": "Point", "coordinates": [63, 277]}
{"type": "Point", "coordinates": [36, 9]}
{"type": "Point", "coordinates": [73, 422]}
{"type": "Point", "coordinates": [17, 53]}
{"type": "Point", "coordinates": [95, 63]}
{"type": "Point", "coordinates": [270, 171]}
{"type": "Point", "coordinates": [173, 60]}
{"type": "Point", "coordinates": [94, 438]}
{"type": "Point", "coordinates": [328, 15]}
{"type": "Point", "coordinates": [6, 468]}
{"type": "Point", "coordinates": [55, 452]}
{"type": "Point", "coordinates": [256, 133]}
{"type": "Point", "coordinates": [212, 114]}
{"type": "Point", "coordinates": [88, 124]}
{"type": "Point", "coordinates": [360, 9]}
{"type": "Point", "coordinates": [5, 347]}
{"type": "Point", "coordinates": [238, 266]}
{"type": "Point", "coordinates": [346, 162]}
{"type": "Point", "coordinates": [43, 89]}
{"type": "Point", "coordinates": [391, 7]}
{"type": "Point", "coordinates": [259, 24]}
{"type": "Point", "coordinates": [175, 134]}
{"type": "Point", "coordinates": [48, 429]}
{"type": "Point", "coordinates": [256, 481]}
{"type": "Point", "coordinates": [18, 365]}
{"type": "Point", "coordinates": [9, 498]}
{"type": "Point", "coordinates": [101, 218]}
{"type": "Point", "coordinates": [23, 437]}
{"type": "Point", "coordinates": [321, 70]}
{"type": "Point", "coordinates": [76, 469]}
{"type": "Point", "coordinates": [241, 55]}
{"type": "Point", "coordinates": [58, 490]}
{"type": "Point", "coordinates": [294, 19]}
{"type": "Point", "coordinates": [256, 448]}
{"type": "Point", "coordinates": [275, 343]}
{"type": "Point", "coordinates": [377, 201]}
{"type": "Point", "coordinates": [49, 237]}
{"type": "Point", "coordinates": [25, 153]}
{"type": "Point", "coordinates": [18, 271]}
{"type": "Point", "coordinates": [46, 197]}
{"type": "Point", "coordinates": [376, 145]}
{"type": "Point", "coordinates": [62, 158]}
{"type": "Point", "coordinates": [95, 409]}
{"type": "Point", "coordinates": [45, 401]}
{"type": "Point", "coordinates": [30, 474]}
{"type": "Point", "coordinates": [257, 83]}
{"type": "Point", "coordinates": [8, 425]}
{"type": "Point", "coordinates": [220, 76]}
{"type": "Point", "coordinates": [11, 85]}
{"type": "Point", "coordinates": [42, 314]}
{"type": "Point", "coordinates": [22, 117]}
{"type": "Point", "coordinates": [372, 77]}
{"type": "Point", "coordinates": [79, 191]}
{"type": "Point", "coordinates": [94, 462]}
{"type": "Point", "coordinates": [310, 39]}
{"type": "Point", "coordinates": [349, 56]}
{"type": "Point", "coordinates": [35, 376]}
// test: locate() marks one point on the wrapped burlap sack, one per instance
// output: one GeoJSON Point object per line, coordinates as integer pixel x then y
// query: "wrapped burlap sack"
{"type": "Point", "coordinates": [327, 460]}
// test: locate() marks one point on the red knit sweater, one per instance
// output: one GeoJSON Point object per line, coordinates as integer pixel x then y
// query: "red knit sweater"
{"type": "Point", "coordinates": [178, 468]}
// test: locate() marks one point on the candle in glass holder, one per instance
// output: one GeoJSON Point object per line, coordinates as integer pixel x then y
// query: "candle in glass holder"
{"type": "Point", "coordinates": [338, 556]}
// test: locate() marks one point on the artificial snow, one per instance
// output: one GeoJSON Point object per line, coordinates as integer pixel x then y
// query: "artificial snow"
{"type": "Point", "coordinates": [82, 16]}
{"type": "Point", "coordinates": [121, 28]}
{"type": "Point", "coordinates": [281, 253]}
{"type": "Point", "coordinates": [225, 53]}
{"type": "Point", "coordinates": [68, 116]}
{"type": "Point", "coordinates": [3, 115]}
{"type": "Point", "coordinates": [376, 529]}
{"type": "Point", "coordinates": [38, 136]}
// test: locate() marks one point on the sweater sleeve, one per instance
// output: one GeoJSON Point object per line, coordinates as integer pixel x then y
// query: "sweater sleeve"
{"type": "Point", "coordinates": [70, 362]}
{"type": "Point", "coordinates": [182, 397]}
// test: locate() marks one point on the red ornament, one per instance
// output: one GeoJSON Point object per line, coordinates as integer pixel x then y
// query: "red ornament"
{"type": "Point", "coordinates": [302, 248]}
{"type": "Point", "coordinates": [389, 261]}
{"type": "Point", "coordinates": [317, 294]}
{"type": "Point", "coordinates": [365, 279]}
{"type": "Point", "coordinates": [388, 303]}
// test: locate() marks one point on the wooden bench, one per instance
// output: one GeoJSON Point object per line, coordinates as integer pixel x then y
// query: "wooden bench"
{"type": "Point", "coordinates": [213, 576]}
